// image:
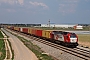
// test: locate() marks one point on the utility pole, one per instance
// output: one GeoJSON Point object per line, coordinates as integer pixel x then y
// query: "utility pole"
{"type": "Point", "coordinates": [49, 22]}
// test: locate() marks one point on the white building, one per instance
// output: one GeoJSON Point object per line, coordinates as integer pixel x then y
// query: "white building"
{"type": "Point", "coordinates": [78, 27]}
{"type": "Point", "coordinates": [57, 25]}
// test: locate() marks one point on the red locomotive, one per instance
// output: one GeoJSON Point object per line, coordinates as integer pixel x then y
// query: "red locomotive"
{"type": "Point", "coordinates": [65, 38]}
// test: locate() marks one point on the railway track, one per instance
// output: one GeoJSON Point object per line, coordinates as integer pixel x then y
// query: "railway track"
{"type": "Point", "coordinates": [81, 53]}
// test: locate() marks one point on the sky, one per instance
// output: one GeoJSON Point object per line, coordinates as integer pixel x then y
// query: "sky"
{"type": "Point", "coordinates": [41, 11]}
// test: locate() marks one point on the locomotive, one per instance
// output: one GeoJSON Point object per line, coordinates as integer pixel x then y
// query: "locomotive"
{"type": "Point", "coordinates": [61, 37]}
{"type": "Point", "coordinates": [65, 38]}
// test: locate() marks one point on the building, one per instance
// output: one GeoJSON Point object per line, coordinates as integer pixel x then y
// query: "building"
{"type": "Point", "coordinates": [57, 25]}
{"type": "Point", "coordinates": [78, 27]}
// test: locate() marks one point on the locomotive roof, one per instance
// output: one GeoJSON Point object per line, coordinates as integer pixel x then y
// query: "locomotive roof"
{"type": "Point", "coordinates": [62, 32]}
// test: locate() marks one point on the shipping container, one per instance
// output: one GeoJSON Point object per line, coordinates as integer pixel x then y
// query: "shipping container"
{"type": "Point", "coordinates": [17, 28]}
{"type": "Point", "coordinates": [12, 27]}
{"type": "Point", "coordinates": [21, 29]}
{"type": "Point", "coordinates": [33, 31]}
{"type": "Point", "coordinates": [43, 33]}
{"type": "Point", "coordinates": [29, 30]}
{"type": "Point", "coordinates": [46, 33]}
{"type": "Point", "coordinates": [25, 30]}
{"type": "Point", "coordinates": [38, 32]}
{"type": "Point", "coordinates": [8, 27]}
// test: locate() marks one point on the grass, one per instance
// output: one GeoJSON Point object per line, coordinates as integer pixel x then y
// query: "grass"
{"type": "Point", "coordinates": [84, 39]}
{"type": "Point", "coordinates": [62, 28]}
{"type": "Point", "coordinates": [10, 47]}
{"type": "Point", "coordinates": [1, 36]}
{"type": "Point", "coordinates": [2, 48]}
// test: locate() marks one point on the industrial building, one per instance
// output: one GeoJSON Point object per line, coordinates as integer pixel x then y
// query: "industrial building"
{"type": "Point", "coordinates": [57, 25]}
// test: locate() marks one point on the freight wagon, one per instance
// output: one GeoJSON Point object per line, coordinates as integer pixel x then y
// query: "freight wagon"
{"type": "Point", "coordinates": [61, 37]}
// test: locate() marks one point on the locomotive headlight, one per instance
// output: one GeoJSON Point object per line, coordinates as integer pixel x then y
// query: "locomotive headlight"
{"type": "Point", "coordinates": [73, 40]}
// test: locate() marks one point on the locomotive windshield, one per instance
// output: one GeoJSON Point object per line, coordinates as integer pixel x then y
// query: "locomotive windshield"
{"type": "Point", "coordinates": [73, 35]}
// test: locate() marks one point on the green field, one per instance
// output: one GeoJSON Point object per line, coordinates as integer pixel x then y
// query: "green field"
{"type": "Point", "coordinates": [84, 39]}
{"type": "Point", "coordinates": [2, 48]}
{"type": "Point", "coordinates": [62, 28]}
{"type": "Point", "coordinates": [1, 36]}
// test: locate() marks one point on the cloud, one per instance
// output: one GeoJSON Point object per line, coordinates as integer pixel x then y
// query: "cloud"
{"type": "Point", "coordinates": [68, 6]}
{"type": "Point", "coordinates": [21, 2]}
{"type": "Point", "coordinates": [39, 4]}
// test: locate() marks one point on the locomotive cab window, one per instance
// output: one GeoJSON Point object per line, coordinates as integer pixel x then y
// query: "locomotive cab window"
{"type": "Point", "coordinates": [73, 36]}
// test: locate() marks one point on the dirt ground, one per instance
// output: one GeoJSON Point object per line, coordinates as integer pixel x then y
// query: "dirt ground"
{"type": "Point", "coordinates": [86, 44]}
{"type": "Point", "coordinates": [0, 53]}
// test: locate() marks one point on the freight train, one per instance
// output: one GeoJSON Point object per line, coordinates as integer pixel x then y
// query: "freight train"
{"type": "Point", "coordinates": [61, 37]}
